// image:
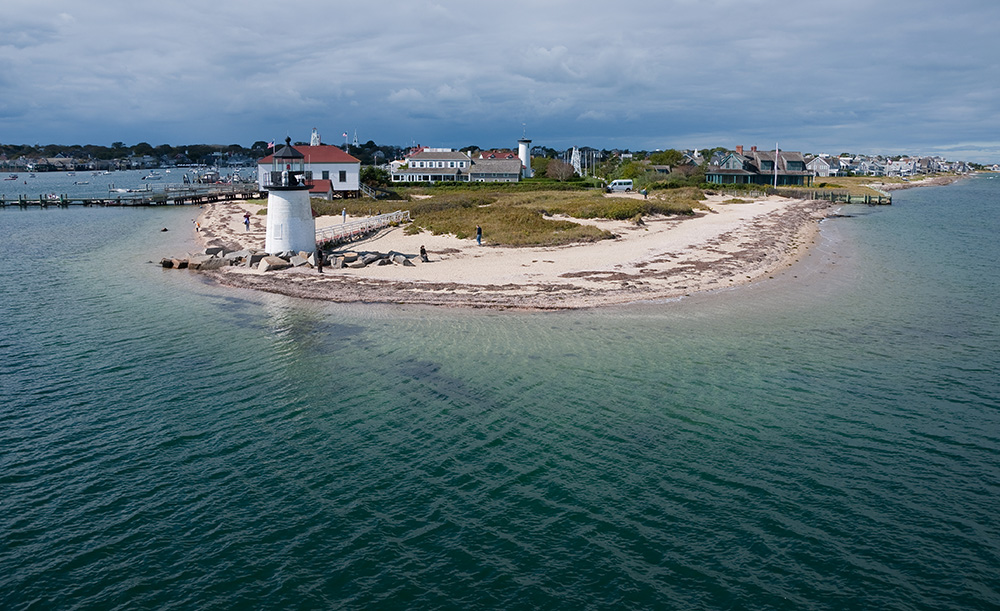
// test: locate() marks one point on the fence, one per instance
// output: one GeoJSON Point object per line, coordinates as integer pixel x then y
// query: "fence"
{"type": "Point", "coordinates": [832, 195]}
{"type": "Point", "coordinates": [348, 232]}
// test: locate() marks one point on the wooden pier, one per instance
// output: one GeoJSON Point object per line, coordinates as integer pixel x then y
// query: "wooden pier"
{"type": "Point", "coordinates": [187, 195]}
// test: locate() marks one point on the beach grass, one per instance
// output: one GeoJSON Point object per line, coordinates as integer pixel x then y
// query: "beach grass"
{"type": "Point", "coordinates": [522, 218]}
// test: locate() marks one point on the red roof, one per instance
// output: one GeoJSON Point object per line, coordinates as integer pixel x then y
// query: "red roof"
{"type": "Point", "coordinates": [320, 185]}
{"type": "Point", "coordinates": [317, 154]}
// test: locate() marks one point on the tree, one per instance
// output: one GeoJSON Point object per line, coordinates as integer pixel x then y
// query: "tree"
{"type": "Point", "coordinates": [539, 165]}
{"type": "Point", "coordinates": [374, 177]}
{"type": "Point", "coordinates": [559, 170]}
{"type": "Point", "coordinates": [670, 157]}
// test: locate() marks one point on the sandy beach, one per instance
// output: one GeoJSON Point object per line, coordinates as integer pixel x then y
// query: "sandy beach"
{"type": "Point", "coordinates": [666, 257]}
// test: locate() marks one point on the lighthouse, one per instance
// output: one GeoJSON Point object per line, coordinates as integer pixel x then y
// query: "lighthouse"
{"type": "Point", "coordinates": [290, 224]}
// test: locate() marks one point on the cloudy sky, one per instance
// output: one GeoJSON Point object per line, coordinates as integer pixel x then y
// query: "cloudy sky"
{"type": "Point", "coordinates": [888, 76]}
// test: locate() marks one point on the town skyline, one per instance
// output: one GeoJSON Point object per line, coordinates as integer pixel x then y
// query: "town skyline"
{"type": "Point", "coordinates": [893, 78]}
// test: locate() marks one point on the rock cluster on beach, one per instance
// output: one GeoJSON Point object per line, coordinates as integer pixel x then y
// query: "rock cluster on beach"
{"type": "Point", "coordinates": [216, 257]}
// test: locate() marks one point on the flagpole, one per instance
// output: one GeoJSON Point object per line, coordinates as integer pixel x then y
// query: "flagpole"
{"type": "Point", "coordinates": [776, 165]}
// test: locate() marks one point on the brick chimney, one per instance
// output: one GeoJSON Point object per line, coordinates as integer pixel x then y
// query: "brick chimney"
{"type": "Point", "coordinates": [739, 149]}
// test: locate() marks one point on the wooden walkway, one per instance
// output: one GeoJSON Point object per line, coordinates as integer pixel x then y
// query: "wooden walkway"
{"type": "Point", "coordinates": [192, 195]}
{"type": "Point", "coordinates": [355, 230]}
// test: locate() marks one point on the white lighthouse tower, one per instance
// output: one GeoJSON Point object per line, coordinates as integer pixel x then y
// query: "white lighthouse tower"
{"type": "Point", "coordinates": [290, 224]}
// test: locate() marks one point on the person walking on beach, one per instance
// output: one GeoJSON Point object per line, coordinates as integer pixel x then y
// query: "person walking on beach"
{"type": "Point", "coordinates": [319, 259]}
{"type": "Point", "coordinates": [246, 220]}
{"type": "Point", "coordinates": [479, 235]}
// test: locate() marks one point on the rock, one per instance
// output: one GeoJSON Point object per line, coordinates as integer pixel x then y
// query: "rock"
{"type": "Point", "coordinates": [336, 262]}
{"type": "Point", "coordinates": [398, 258]}
{"type": "Point", "coordinates": [240, 254]}
{"type": "Point", "coordinates": [408, 263]}
{"type": "Point", "coordinates": [271, 263]}
{"type": "Point", "coordinates": [350, 257]}
{"type": "Point", "coordinates": [167, 263]}
{"type": "Point", "coordinates": [215, 263]}
{"type": "Point", "coordinates": [214, 250]}
{"type": "Point", "coordinates": [384, 262]}
{"type": "Point", "coordinates": [298, 261]}
{"type": "Point", "coordinates": [371, 257]}
{"type": "Point", "coordinates": [164, 229]}
{"type": "Point", "coordinates": [356, 265]}
{"type": "Point", "coordinates": [304, 254]}
{"type": "Point", "coordinates": [180, 263]}
{"type": "Point", "coordinates": [200, 261]}
{"type": "Point", "coordinates": [254, 258]}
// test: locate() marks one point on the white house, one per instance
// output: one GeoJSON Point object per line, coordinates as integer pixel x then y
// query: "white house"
{"type": "Point", "coordinates": [323, 164]}
{"type": "Point", "coordinates": [433, 165]}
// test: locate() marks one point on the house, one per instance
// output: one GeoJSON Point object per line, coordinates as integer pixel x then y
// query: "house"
{"type": "Point", "coordinates": [433, 165]}
{"type": "Point", "coordinates": [496, 170]}
{"type": "Point", "coordinates": [322, 163]}
{"type": "Point", "coordinates": [825, 166]}
{"type": "Point", "coordinates": [760, 168]}
{"type": "Point", "coordinates": [498, 155]}
{"type": "Point", "coordinates": [429, 165]}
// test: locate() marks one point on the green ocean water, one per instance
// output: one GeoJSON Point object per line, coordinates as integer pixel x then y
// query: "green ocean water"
{"type": "Point", "coordinates": [827, 439]}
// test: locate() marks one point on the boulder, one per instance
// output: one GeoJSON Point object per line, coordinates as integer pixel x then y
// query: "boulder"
{"type": "Point", "coordinates": [371, 257]}
{"type": "Point", "coordinates": [240, 254]}
{"type": "Point", "coordinates": [214, 250]}
{"type": "Point", "coordinates": [304, 254]}
{"type": "Point", "coordinates": [398, 258]}
{"type": "Point", "coordinates": [271, 263]}
{"type": "Point", "coordinates": [298, 261]}
{"type": "Point", "coordinates": [180, 263]}
{"type": "Point", "coordinates": [336, 262]}
{"type": "Point", "coordinates": [383, 262]}
{"type": "Point", "coordinates": [350, 257]}
{"type": "Point", "coordinates": [167, 263]}
{"type": "Point", "coordinates": [357, 264]}
{"type": "Point", "coordinates": [200, 261]}
{"type": "Point", "coordinates": [253, 259]}
{"type": "Point", "coordinates": [408, 263]}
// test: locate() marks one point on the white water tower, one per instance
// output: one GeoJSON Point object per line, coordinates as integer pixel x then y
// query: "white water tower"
{"type": "Point", "coordinates": [524, 154]}
{"type": "Point", "coordinates": [290, 223]}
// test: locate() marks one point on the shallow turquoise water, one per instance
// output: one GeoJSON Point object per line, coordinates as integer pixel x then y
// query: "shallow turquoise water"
{"type": "Point", "coordinates": [826, 439]}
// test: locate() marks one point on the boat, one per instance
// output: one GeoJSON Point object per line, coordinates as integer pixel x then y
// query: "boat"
{"type": "Point", "coordinates": [209, 177]}
{"type": "Point", "coordinates": [81, 182]}
{"type": "Point", "coordinates": [11, 177]}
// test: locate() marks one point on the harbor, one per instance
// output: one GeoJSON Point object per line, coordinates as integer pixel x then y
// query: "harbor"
{"type": "Point", "coordinates": [130, 188]}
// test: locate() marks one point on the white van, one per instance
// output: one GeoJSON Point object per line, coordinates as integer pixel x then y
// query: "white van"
{"type": "Point", "coordinates": [620, 185]}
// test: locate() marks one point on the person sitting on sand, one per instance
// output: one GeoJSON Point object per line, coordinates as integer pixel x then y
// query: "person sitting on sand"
{"type": "Point", "coordinates": [423, 253]}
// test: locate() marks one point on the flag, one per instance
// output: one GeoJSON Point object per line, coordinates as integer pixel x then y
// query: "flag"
{"type": "Point", "coordinates": [344, 135]}
{"type": "Point", "coordinates": [270, 144]}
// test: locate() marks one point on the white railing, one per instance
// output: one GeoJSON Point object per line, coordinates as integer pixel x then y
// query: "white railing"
{"type": "Point", "coordinates": [355, 229]}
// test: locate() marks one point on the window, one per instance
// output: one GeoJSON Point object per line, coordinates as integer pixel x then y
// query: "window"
{"type": "Point", "coordinates": [326, 174]}
{"type": "Point", "coordinates": [343, 176]}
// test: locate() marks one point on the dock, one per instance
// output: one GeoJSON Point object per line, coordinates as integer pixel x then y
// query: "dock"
{"type": "Point", "coordinates": [187, 195]}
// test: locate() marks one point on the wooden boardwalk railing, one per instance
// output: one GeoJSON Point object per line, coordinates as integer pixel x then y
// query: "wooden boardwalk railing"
{"type": "Point", "coordinates": [348, 232]}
